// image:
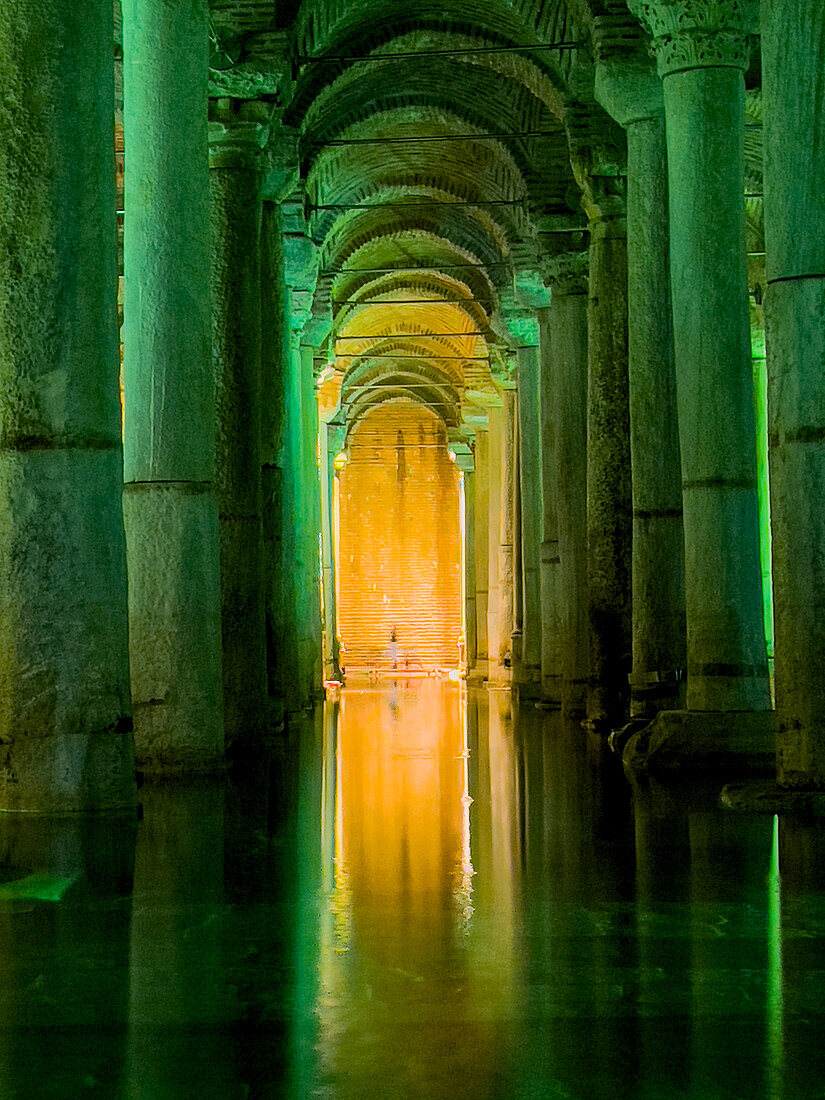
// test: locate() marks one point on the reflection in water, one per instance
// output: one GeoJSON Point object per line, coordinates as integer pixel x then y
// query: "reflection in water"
{"type": "Point", "coordinates": [426, 893]}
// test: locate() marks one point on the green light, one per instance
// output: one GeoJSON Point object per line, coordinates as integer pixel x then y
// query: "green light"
{"type": "Point", "coordinates": [38, 887]}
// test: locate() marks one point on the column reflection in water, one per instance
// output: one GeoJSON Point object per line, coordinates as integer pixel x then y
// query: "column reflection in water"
{"type": "Point", "coordinates": [414, 968]}
{"type": "Point", "coordinates": [65, 912]}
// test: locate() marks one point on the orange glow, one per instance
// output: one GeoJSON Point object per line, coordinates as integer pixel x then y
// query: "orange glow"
{"type": "Point", "coordinates": [399, 563]}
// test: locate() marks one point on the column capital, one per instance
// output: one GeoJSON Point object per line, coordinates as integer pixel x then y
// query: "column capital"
{"type": "Point", "coordinates": [699, 34]}
{"type": "Point", "coordinates": [598, 158]}
{"type": "Point", "coordinates": [235, 141]}
{"type": "Point", "coordinates": [626, 82]}
{"type": "Point", "coordinates": [568, 272]}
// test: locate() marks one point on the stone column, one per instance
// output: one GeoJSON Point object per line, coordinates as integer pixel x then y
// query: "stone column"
{"type": "Point", "coordinates": [494, 434]}
{"type": "Point", "coordinates": [310, 526]}
{"type": "Point", "coordinates": [466, 465]}
{"type": "Point", "coordinates": [301, 627]}
{"type": "Point", "coordinates": [332, 442]}
{"type": "Point", "coordinates": [530, 494]}
{"type": "Point", "coordinates": [608, 462]}
{"type": "Point", "coordinates": [274, 358]}
{"type": "Point", "coordinates": [169, 424]}
{"type": "Point", "coordinates": [506, 590]}
{"type": "Point", "coordinates": [517, 626]}
{"type": "Point", "coordinates": [552, 648]}
{"type": "Point", "coordinates": [234, 158]}
{"type": "Point", "coordinates": [629, 89]}
{"type": "Point", "coordinates": [65, 723]}
{"type": "Point", "coordinates": [792, 60]}
{"type": "Point", "coordinates": [567, 352]}
{"type": "Point", "coordinates": [481, 510]}
{"type": "Point", "coordinates": [702, 51]}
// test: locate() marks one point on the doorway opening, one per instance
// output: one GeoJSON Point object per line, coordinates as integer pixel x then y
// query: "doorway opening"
{"type": "Point", "coordinates": [399, 544]}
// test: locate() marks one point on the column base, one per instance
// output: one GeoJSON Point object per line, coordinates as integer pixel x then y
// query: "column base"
{"type": "Point", "coordinates": [685, 740]}
{"type": "Point", "coordinates": [174, 627]}
{"type": "Point", "coordinates": [69, 773]}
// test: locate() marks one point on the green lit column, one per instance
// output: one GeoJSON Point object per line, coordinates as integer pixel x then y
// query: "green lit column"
{"type": "Point", "coordinates": [274, 359]}
{"type": "Point", "coordinates": [235, 169]}
{"type": "Point", "coordinates": [310, 527]}
{"type": "Point", "coordinates": [792, 59]}
{"type": "Point", "coordinates": [567, 353]}
{"type": "Point", "coordinates": [169, 424]}
{"type": "Point", "coordinates": [506, 587]}
{"type": "Point", "coordinates": [702, 50]}
{"type": "Point", "coordinates": [529, 474]}
{"type": "Point", "coordinates": [65, 722]}
{"type": "Point", "coordinates": [552, 647]}
{"type": "Point", "coordinates": [630, 90]}
{"type": "Point", "coordinates": [332, 443]}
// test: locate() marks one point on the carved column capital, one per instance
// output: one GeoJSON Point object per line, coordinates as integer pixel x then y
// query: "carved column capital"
{"type": "Point", "coordinates": [598, 159]}
{"type": "Point", "coordinates": [626, 82]}
{"type": "Point", "coordinates": [236, 137]}
{"type": "Point", "coordinates": [698, 34]}
{"type": "Point", "coordinates": [568, 272]}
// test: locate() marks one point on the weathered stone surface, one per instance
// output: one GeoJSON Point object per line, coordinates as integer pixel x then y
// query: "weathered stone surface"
{"type": "Point", "coordinates": [169, 421]}
{"type": "Point", "coordinates": [236, 358]}
{"type": "Point", "coordinates": [552, 602]}
{"type": "Point", "coordinates": [568, 354]}
{"type": "Point", "coordinates": [794, 49]}
{"type": "Point", "coordinates": [529, 474]}
{"type": "Point", "coordinates": [65, 716]}
{"type": "Point", "coordinates": [608, 477]}
{"type": "Point", "coordinates": [175, 626]}
{"type": "Point", "coordinates": [682, 740]}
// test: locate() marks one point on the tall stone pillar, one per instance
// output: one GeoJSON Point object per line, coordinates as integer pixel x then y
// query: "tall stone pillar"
{"type": "Point", "coordinates": [552, 647]}
{"type": "Point", "coordinates": [466, 465]}
{"type": "Point", "coordinates": [310, 526]}
{"type": "Point", "coordinates": [792, 58]}
{"type": "Point", "coordinates": [530, 496]}
{"type": "Point", "coordinates": [169, 404]}
{"type": "Point", "coordinates": [332, 442]}
{"type": "Point", "coordinates": [274, 360]}
{"type": "Point", "coordinates": [567, 353]}
{"type": "Point", "coordinates": [506, 589]}
{"type": "Point", "coordinates": [300, 625]}
{"type": "Point", "coordinates": [517, 626]}
{"type": "Point", "coordinates": [494, 435]}
{"type": "Point", "coordinates": [481, 509]}
{"type": "Point", "coordinates": [702, 51]}
{"type": "Point", "coordinates": [628, 88]}
{"type": "Point", "coordinates": [234, 159]}
{"type": "Point", "coordinates": [608, 457]}
{"type": "Point", "coordinates": [65, 721]}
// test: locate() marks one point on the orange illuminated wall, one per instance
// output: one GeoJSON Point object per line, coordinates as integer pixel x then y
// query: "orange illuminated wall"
{"type": "Point", "coordinates": [400, 542]}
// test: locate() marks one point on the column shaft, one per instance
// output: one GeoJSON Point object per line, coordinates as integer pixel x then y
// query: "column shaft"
{"type": "Point", "coordinates": [494, 436]}
{"type": "Point", "coordinates": [608, 475]}
{"type": "Point", "coordinates": [506, 590]}
{"type": "Point", "coordinates": [236, 354]}
{"type": "Point", "coordinates": [482, 538]}
{"type": "Point", "coordinates": [169, 431]}
{"type": "Point", "coordinates": [792, 51]}
{"type": "Point", "coordinates": [529, 473]}
{"type": "Point", "coordinates": [658, 563]}
{"type": "Point", "coordinates": [65, 721]}
{"type": "Point", "coordinates": [568, 354]}
{"type": "Point", "coordinates": [471, 638]}
{"type": "Point", "coordinates": [552, 649]}
{"type": "Point", "coordinates": [727, 665]}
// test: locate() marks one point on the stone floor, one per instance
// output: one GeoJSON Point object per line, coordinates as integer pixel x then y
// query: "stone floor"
{"type": "Point", "coordinates": [441, 899]}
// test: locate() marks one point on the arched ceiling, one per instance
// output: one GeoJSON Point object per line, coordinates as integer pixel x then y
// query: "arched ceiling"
{"type": "Point", "coordinates": [432, 155]}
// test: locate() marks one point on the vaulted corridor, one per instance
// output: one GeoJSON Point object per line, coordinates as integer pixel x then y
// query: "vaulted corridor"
{"type": "Point", "coordinates": [456, 368]}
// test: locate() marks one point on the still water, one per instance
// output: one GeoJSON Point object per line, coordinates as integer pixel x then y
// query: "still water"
{"type": "Point", "coordinates": [427, 895]}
